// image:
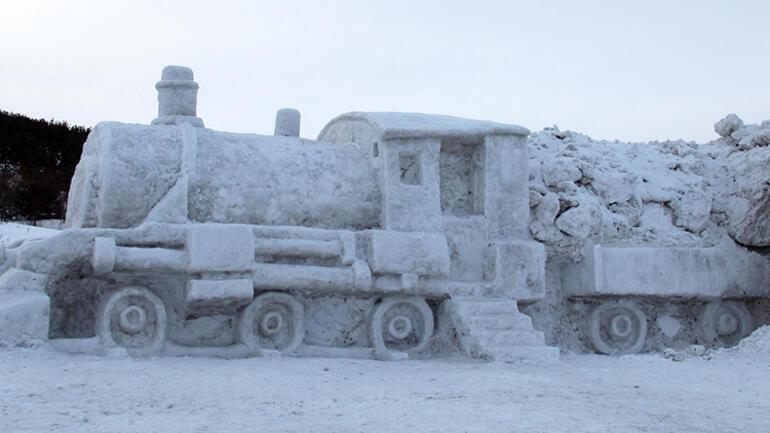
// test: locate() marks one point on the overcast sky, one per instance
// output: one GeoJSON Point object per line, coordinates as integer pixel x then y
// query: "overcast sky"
{"type": "Point", "coordinates": [633, 70]}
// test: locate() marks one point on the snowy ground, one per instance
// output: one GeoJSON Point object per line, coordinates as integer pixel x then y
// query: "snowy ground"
{"type": "Point", "coordinates": [44, 391]}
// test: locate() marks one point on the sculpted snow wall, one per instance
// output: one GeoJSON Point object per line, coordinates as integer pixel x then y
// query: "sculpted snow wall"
{"type": "Point", "coordinates": [186, 240]}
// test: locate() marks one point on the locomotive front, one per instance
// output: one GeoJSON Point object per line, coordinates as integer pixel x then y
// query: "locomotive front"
{"type": "Point", "coordinates": [249, 236]}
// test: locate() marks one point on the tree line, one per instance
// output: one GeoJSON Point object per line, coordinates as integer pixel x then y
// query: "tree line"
{"type": "Point", "coordinates": [37, 161]}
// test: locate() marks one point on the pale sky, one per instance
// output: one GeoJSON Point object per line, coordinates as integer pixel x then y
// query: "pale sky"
{"type": "Point", "coordinates": [632, 70]}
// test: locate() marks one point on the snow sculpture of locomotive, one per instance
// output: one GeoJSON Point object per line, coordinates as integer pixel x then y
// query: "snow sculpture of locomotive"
{"type": "Point", "coordinates": [394, 235]}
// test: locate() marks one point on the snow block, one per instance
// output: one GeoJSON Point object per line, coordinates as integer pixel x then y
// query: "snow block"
{"type": "Point", "coordinates": [398, 252]}
{"type": "Point", "coordinates": [23, 314]}
{"type": "Point", "coordinates": [24, 306]}
{"type": "Point", "coordinates": [18, 280]}
{"type": "Point", "coordinates": [661, 271]}
{"type": "Point", "coordinates": [218, 295]}
{"type": "Point", "coordinates": [523, 277]}
{"type": "Point", "coordinates": [215, 247]}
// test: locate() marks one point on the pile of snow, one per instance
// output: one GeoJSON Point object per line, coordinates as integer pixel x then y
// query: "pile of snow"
{"type": "Point", "coordinates": [669, 193]}
{"type": "Point", "coordinates": [744, 203]}
{"type": "Point", "coordinates": [756, 344]}
{"type": "Point", "coordinates": [735, 132]}
{"type": "Point", "coordinates": [615, 192]}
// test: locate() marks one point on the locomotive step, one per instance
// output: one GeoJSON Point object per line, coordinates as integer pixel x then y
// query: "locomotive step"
{"type": "Point", "coordinates": [495, 329]}
{"type": "Point", "coordinates": [511, 338]}
{"type": "Point", "coordinates": [476, 307]}
{"type": "Point", "coordinates": [501, 321]}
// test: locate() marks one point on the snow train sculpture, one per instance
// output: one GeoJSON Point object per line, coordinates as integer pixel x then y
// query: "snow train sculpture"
{"type": "Point", "coordinates": [393, 235]}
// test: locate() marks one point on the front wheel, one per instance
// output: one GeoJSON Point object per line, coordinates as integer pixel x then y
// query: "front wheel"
{"type": "Point", "coordinates": [133, 318]}
{"type": "Point", "coordinates": [724, 323]}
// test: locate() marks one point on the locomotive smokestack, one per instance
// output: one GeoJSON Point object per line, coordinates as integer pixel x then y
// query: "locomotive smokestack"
{"type": "Point", "coordinates": [177, 97]}
{"type": "Point", "coordinates": [287, 122]}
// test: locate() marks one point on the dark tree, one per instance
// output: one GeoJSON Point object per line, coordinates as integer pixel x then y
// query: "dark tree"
{"type": "Point", "coordinates": [37, 161]}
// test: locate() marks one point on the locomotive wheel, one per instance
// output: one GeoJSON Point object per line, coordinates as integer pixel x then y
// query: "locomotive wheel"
{"type": "Point", "coordinates": [273, 321]}
{"type": "Point", "coordinates": [133, 318]}
{"type": "Point", "coordinates": [724, 323]}
{"type": "Point", "coordinates": [401, 324]}
{"type": "Point", "coordinates": [617, 328]}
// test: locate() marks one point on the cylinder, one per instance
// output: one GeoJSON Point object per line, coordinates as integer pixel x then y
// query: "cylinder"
{"type": "Point", "coordinates": [156, 259]}
{"type": "Point", "coordinates": [268, 276]}
{"type": "Point", "coordinates": [177, 92]}
{"type": "Point", "coordinates": [287, 121]}
{"type": "Point", "coordinates": [298, 248]}
{"type": "Point", "coordinates": [233, 178]}
{"type": "Point", "coordinates": [108, 257]}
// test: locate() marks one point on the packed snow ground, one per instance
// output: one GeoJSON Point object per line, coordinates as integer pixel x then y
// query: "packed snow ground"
{"type": "Point", "coordinates": [45, 391]}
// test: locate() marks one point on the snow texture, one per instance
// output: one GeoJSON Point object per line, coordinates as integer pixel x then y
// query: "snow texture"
{"type": "Point", "coordinates": [671, 193]}
{"type": "Point", "coordinates": [755, 345]}
{"type": "Point", "coordinates": [186, 240]}
{"type": "Point", "coordinates": [392, 125]}
{"type": "Point", "coordinates": [41, 390]}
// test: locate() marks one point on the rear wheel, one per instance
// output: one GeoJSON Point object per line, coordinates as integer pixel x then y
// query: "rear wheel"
{"type": "Point", "coordinates": [617, 328]}
{"type": "Point", "coordinates": [724, 323]}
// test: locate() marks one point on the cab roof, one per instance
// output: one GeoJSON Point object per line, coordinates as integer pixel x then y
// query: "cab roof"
{"type": "Point", "coordinates": [419, 125]}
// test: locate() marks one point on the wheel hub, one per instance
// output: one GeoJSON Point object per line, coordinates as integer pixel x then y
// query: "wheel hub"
{"type": "Point", "coordinates": [727, 324]}
{"type": "Point", "coordinates": [133, 319]}
{"type": "Point", "coordinates": [400, 327]}
{"type": "Point", "coordinates": [271, 323]}
{"type": "Point", "coordinates": [620, 326]}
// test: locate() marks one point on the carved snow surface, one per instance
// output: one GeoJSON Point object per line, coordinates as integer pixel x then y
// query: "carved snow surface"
{"type": "Point", "coordinates": [183, 240]}
{"type": "Point", "coordinates": [617, 327]}
{"type": "Point", "coordinates": [494, 329]}
{"type": "Point", "coordinates": [24, 306]}
{"type": "Point", "coordinates": [725, 323]}
{"type": "Point", "coordinates": [393, 236]}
